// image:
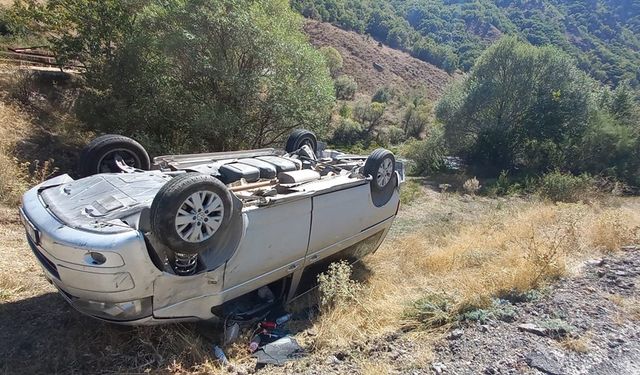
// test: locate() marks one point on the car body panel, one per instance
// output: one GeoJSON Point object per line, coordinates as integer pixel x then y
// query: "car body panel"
{"type": "Point", "coordinates": [275, 237]}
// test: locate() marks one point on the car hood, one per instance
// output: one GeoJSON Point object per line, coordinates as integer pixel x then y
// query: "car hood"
{"type": "Point", "coordinates": [103, 202]}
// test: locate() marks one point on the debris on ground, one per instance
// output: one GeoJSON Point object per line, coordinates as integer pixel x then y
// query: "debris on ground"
{"type": "Point", "coordinates": [220, 356]}
{"type": "Point", "coordinates": [278, 352]}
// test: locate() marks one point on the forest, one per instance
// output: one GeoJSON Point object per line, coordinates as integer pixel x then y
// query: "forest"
{"type": "Point", "coordinates": [601, 35]}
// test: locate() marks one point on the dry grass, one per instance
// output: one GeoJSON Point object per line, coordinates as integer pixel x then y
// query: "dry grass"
{"type": "Point", "coordinates": [629, 306]}
{"type": "Point", "coordinates": [523, 247]}
{"type": "Point", "coordinates": [576, 344]}
{"type": "Point", "coordinates": [14, 126]}
{"type": "Point", "coordinates": [611, 229]}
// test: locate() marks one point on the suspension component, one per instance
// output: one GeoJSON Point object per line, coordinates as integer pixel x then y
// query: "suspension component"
{"type": "Point", "coordinates": [185, 264]}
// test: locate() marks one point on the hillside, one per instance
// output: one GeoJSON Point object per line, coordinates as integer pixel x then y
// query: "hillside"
{"type": "Point", "coordinates": [395, 68]}
{"type": "Point", "coordinates": [601, 35]}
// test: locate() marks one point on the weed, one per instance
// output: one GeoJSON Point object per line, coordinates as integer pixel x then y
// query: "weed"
{"type": "Point", "coordinates": [557, 328]}
{"type": "Point", "coordinates": [611, 230]}
{"type": "Point", "coordinates": [411, 190]}
{"type": "Point", "coordinates": [336, 285]}
{"type": "Point", "coordinates": [565, 187]}
{"type": "Point", "coordinates": [471, 186]}
{"type": "Point", "coordinates": [576, 344]}
{"type": "Point", "coordinates": [432, 311]}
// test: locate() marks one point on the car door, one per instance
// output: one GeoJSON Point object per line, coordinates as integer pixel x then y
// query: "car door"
{"type": "Point", "coordinates": [274, 244]}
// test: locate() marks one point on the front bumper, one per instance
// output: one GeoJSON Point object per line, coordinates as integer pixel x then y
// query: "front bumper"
{"type": "Point", "coordinates": [119, 289]}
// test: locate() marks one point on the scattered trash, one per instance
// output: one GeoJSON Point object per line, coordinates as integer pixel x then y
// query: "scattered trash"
{"type": "Point", "coordinates": [231, 333]}
{"type": "Point", "coordinates": [254, 344]}
{"type": "Point", "coordinates": [270, 343]}
{"type": "Point", "coordinates": [217, 351]}
{"type": "Point", "coordinates": [283, 319]}
{"type": "Point", "coordinates": [269, 325]}
{"type": "Point", "coordinates": [278, 352]}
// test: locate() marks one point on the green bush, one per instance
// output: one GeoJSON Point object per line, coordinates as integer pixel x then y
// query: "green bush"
{"type": "Point", "coordinates": [565, 187]}
{"type": "Point", "coordinates": [520, 108]}
{"type": "Point", "coordinates": [191, 73]}
{"type": "Point", "coordinates": [345, 110]}
{"type": "Point", "coordinates": [394, 135]}
{"type": "Point", "coordinates": [346, 87]}
{"type": "Point", "coordinates": [348, 132]}
{"type": "Point", "coordinates": [333, 59]}
{"type": "Point", "coordinates": [417, 118]}
{"type": "Point", "coordinates": [382, 95]}
{"type": "Point", "coordinates": [427, 155]}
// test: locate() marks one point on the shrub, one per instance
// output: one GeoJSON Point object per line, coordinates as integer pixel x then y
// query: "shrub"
{"type": "Point", "coordinates": [369, 114]}
{"type": "Point", "coordinates": [427, 155]}
{"type": "Point", "coordinates": [345, 110]}
{"type": "Point", "coordinates": [333, 59]}
{"type": "Point", "coordinates": [383, 95]}
{"type": "Point", "coordinates": [346, 87]}
{"type": "Point", "coordinates": [565, 187]}
{"type": "Point", "coordinates": [394, 135]}
{"type": "Point", "coordinates": [434, 310]}
{"type": "Point", "coordinates": [336, 286]}
{"type": "Point", "coordinates": [471, 186]}
{"type": "Point", "coordinates": [348, 133]}
{"type": "Point", "coordinates": [417, 118]}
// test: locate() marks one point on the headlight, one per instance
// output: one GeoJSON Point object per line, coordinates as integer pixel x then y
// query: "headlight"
{"type": "Point", "coordinates": [122, 311]}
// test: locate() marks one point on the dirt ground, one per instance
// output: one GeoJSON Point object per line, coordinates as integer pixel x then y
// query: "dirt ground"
{"type": "Point", "coordinates": [40, 333]}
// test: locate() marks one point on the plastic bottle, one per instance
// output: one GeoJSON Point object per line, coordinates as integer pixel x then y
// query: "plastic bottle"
{"type": "Point", "coordinates": [254, 344]}
{"type": "Point", "coordinates": [283, 319]}
{"type": "Point", "coordinates": [217, 351]}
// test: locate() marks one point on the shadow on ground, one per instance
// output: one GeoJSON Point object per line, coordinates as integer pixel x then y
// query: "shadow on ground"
{"type": "Point", "coordinates": [44, 334]}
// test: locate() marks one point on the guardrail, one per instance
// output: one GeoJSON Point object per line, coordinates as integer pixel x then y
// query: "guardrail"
{"type": "Point", "coordinates": [34, 58]}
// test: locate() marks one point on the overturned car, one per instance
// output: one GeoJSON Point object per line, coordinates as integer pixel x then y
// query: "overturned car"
{"type": "Point", "coordinates": [185, 237]}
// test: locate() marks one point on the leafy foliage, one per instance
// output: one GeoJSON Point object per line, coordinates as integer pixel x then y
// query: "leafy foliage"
{"type": "Point", "coordinates": [345, 87]}
{"type": "Point", "coordinates": [382, 95]}
{"type": "Point", "coordinates": [530, 111]}
{"type": "Point", "coordinates": [564, 187]}
{"type": "Point", "coordinates": [190, 75]}
{"type": "Point", "coordinates": [517, 109]}
{"type": "Point", "coordinates": [427, 155]}
{"type": "Point", "coordinates": [602, 35]}
{"type": "Point", "coordinates": [348, 132]}
{"type": "Point", "coordinates": [334, 60]}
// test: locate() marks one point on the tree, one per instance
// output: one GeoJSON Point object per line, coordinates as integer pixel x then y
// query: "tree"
{"type": "Point", "coordinates": [345, 87]}
{"type": "Point", "coordinates": [333, 59]}
{"type": "Point", "coordinates": [518, 100]}
{"type": "Point", "coordinates": [369, 114]}
{"type": "Point", "coordinates": [193, 75]}
{"type": "Point", "coordinates": [417, 118]}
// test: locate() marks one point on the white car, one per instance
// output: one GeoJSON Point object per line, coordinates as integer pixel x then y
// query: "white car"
{"type": "Point", "coordinates": [192, 237]}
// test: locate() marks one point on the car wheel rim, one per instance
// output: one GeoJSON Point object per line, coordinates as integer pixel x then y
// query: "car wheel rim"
{"type": "Point", "coordinates": [306, 142]}
{"type": "Point", "coordinates": [108, 163]}
{"type": "Point", "coordinates": [199, 216]}
{"type": "Point", "coordinates": [384, 172]}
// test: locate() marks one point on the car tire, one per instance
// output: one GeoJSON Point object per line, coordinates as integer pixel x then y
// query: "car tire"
{"type": "Point", "coordinates": [381, 166]}
{"type": "Point", "coordinates": [299, 138]}
{"type": "Point", "coordinates": [189, 212]}
{"type": "Point", "coordinates": [100, 154]}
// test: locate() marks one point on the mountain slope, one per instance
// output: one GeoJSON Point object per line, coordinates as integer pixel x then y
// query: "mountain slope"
{"type": "Point", "coordinates": [392, 67]}
{"type": "Point", "coordinates": [602, 35]}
